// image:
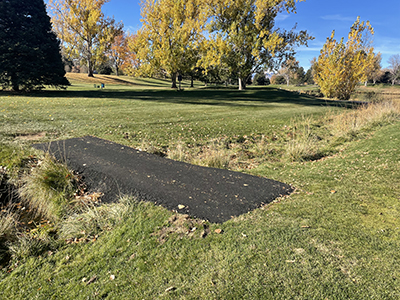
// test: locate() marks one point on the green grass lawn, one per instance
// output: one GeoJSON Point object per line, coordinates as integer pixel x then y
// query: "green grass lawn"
{"type": "Point", "coordinates": [336, 237]}
{"type": "Point", "coordinates": [159, 115]}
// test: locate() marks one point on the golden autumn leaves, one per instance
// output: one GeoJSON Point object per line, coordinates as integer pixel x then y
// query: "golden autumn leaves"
{"type": "Point", "coordinates": [341, 66]}
{"type": "Point", "coordinates": [238, 36]}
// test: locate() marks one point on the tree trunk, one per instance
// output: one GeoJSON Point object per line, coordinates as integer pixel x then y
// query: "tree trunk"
{"type": "Point", "coordinates": [15, 82]}
{"type": "Point", "coordinates": [241, 84]}
{"type": "Point", "coordinates": [173, 76]}
{"type": "Point", "coordinates": [90, 66]}
{"type": "Point", "coordinates": [191, 81]}
{"type": "Point", "coordinates": [90, 69]}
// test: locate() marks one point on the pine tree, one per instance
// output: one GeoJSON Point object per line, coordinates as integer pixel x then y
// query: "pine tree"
{"type": "Point", "coordinates": [29, 51]}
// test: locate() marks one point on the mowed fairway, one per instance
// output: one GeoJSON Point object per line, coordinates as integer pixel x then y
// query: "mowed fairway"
{"type": "Point", "coordinates": [336, 237]}
{"type": "Point", "coordinates": [160, 115]}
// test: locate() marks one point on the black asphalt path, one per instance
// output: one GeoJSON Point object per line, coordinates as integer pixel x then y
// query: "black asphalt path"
{"type": "Point", "coordinates": [206, 193]}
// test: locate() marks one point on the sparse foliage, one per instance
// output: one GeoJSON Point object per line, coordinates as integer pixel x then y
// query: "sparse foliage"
{"type": "Point", "coordinates": [374, 71]}
{"type": "Point", "coordinates": [394, 68]}
{"type": "Point", "coordinates": [85, 32]}
{"type": "Point", "coordinates": [289, 69]}
{"type": "Point", "coordinates": [341, 66]}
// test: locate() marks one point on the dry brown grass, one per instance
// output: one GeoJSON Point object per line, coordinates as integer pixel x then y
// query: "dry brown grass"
{"type": "Point", "coordinates": [351, 122]}
{"type": "Point", "coordinates": [8, 224]}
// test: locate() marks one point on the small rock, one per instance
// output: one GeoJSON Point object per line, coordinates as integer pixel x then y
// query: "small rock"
{"type": "Point", "coordinates": [180, 206]}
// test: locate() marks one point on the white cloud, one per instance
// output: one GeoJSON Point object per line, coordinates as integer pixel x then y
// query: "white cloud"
{"type": "Point", "coordinates": [338, 17]}
{"type": "Point", "coordinates": [281, 17]}
{"type": "Point", "coordinates": [132, 29]}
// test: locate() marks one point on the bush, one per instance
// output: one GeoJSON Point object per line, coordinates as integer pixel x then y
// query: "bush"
{"type": "Point", "coordinates": [278, 79]}
{"type": "Point", "coordinates": [260, 79]}
{"type": "Point", "coordinates": [104, 70]}
{"type": "Point", "coordinates": [372, 96]}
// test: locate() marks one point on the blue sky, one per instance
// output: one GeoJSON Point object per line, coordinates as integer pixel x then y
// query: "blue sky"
{"type": "Point", "coordinates": [318, 17]}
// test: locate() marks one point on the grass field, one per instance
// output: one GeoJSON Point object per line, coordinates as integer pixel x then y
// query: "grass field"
{"type": "Point", "coordinates": [336, 237]}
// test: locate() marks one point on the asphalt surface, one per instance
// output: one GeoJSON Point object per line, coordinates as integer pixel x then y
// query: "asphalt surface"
{"type": "Point", "coordinates": [211, 194]}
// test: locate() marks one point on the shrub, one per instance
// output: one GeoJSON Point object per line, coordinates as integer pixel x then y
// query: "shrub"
{"type": "Point", "coordinates": [372, 96]}
{"type": "Point", "coordinates": [260, 79]}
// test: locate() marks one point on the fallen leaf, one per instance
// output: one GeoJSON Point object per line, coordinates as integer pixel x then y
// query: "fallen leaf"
{"type": "Point", "coordinates": [180, 206]}
{"type": "Point", "coordinates": [171, 288]}
{"type": "Point", "coordinates": [112, 277]}
{"type": "Point", "coordinates": [333, 191]}
{"type": "Point", "coordinates": [218, 231]}
{"type": "Point", "coordinates": [91, 280]}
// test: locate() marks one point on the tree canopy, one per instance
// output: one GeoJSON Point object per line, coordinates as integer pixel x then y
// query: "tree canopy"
{"type": "Point", "coordinates": [86, 34]}
{"type": "Point", "coordinates": [341, 66]}
{"type": "Point", "coordinates": [170, 36]}
{"type": "Point", "coordinates": [245, 38]}
{"type": "Point", "coordinates": [242, 37]}
{"type": "Point", "coordinates": [29, 51]}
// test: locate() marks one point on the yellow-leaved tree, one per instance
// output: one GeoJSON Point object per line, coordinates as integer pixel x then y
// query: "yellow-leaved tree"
{"type": "Point", "coordinates": [169, 37]}
{"type": "Point", "coordinates": [85, 33]}
{"type": "Point", "coordinates": [245, 39]}
{"type": "Point", "coordinates": [341, 66]}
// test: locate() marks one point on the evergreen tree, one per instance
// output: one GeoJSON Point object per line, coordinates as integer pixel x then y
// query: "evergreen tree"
{"type": "Point", "coordinates": [29, 51]}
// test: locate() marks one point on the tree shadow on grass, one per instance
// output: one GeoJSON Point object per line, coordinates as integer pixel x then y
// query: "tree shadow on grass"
{"type": "Point", "coordinates": [219, 97]}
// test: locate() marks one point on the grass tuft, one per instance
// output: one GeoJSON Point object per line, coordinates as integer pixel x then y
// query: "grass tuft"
{"type": "Point", "coordinates": [27, 245]}
{"type": "Point", "coordinates": [94, 219]}
{"type": "Point", "coordinates": [48, 188]}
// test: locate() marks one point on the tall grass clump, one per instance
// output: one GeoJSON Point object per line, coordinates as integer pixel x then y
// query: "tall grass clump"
{"type": "Point", "coordinates": [48, 188]}
{"type": "Point", "coordinates": [8, 229]}
{"type": "Point", "coordinates": [365, 117]}
{"type": "Point", "coordinates": [304, 143]}
{"type": "Point", "coordinates": [213, 155]}
{"type": "Point", "coordinates": [179, 152]}
{"type": "Point", "coordinates": [92, 220]}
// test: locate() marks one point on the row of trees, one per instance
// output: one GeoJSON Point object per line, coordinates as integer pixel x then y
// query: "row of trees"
{"type": "Point", "coordinates": [237, 37]}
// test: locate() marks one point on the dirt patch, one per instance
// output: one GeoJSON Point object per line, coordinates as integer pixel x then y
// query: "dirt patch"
{"type": "Point", "coordinates": [180, 226]}
{"type": "Point", "coordinates": [30, 136]}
